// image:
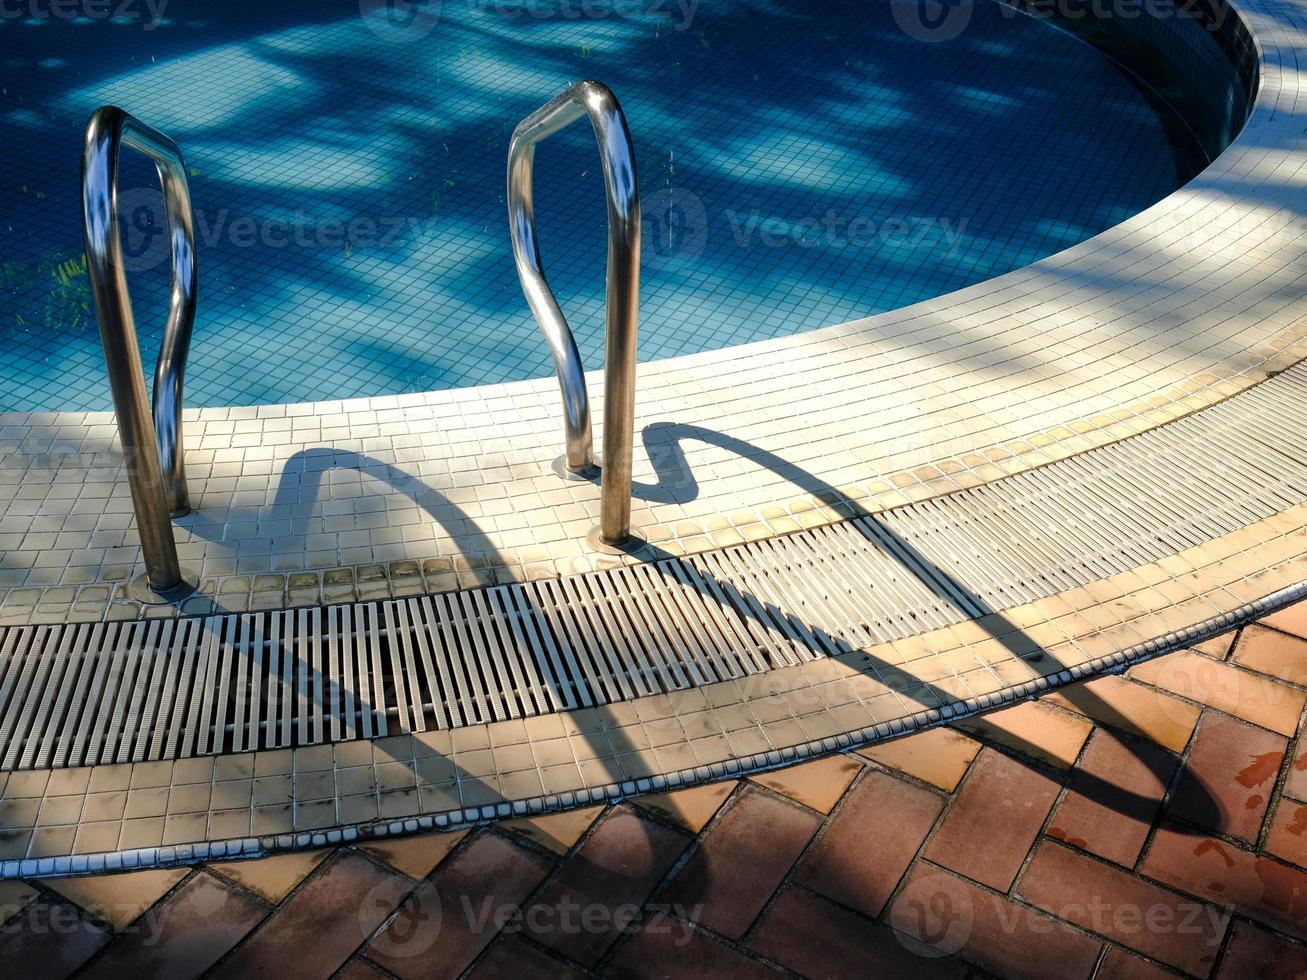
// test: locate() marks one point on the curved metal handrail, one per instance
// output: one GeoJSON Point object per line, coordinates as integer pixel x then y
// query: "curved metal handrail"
{"type": "Point", "coordinates": [151, 440]}
{"type": "Point", "coordinates": [596, 101]}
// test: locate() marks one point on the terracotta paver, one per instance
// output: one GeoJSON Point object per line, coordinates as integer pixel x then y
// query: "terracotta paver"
{"type": "Point", "coordinates": [1218, 647]}
{"type": "Point", "coordinates": [1121, 964]}
{"type": "Point", "coordinates": [1273, 653]}
{"type": "Point", "coordinates": [951, 915]}
{"type": "Point", "coordinates": [556, 831]}
{"type": "Point", "coordinates": [272, 877]}
{"type": "Point", "coordinates": [118, 899]}
{"type": "Point", "coordinates": [49, 940]}
{"type": "Point", "coordinates": [690, 808]}
{"type": "Point", "coordinates": [816, 938]}
{"type": "Point", "coordinates": [1131, 707]}
{"type": "Point", "coordinates": [1113, 796]}
{"type": "Point", "coordinates": [518, 959]}
{"type": "Point", "coordinates": [1287, 836]}
{"type": "Point", "coordinates": [815, 784]}
{"type": "Point", "coordinates": [861, 856]}
{"type": "Point", "coordinates": [1242, 693]}
{"type": "Point", "coordinates": [1291, 619]}
{"type": "Point", "coordinates": [615, 870]}
{"type": "Point", "coordinates": [1254, 952]}
{"type": "Point", "coordinates": [453, 916]}
{"type": "Point", "coordinates": [1295, 780]}
{"type": "Point", "coordinates": [729, 879]}
{"type": "Point", "coordinates": [939, 756]}
{"type": "Point", "coordinates": [1119, 906]}
{"type": "Point", "coordinates": [323, 922]}
{"type": "Point", "coordinates": [14, 897]}
{"type": "Point", "coordinates": [1034, 729]}
{"type": "Point", "coordinates": [185, 935]}
{"type": "Point", "coordinates": [359, 969]}
{"type": "Point", "coordinates": [994, 819]}
{"type": "Point", "coordinates": [415, 856]}
{"type": "Point", "coordinates": [665, 947]}
{"type": "Point", "coordinates": [1256, 886]}
{"type": "Point", "coordinates": [1228, 777]}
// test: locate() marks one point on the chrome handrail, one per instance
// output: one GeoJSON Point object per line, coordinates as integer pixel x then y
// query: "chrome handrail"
{"type": "Point", "coordinates": [594, 100]}
{"type": "Point", "coordinates": [151, 439]}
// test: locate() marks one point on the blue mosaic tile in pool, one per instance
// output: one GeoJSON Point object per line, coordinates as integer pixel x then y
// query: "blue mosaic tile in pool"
{"type": "Point", "coordinates": [802, 164]}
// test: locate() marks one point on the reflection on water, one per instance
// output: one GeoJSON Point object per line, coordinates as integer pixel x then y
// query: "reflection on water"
{"type": "Point", "coordinates": [802, 164]}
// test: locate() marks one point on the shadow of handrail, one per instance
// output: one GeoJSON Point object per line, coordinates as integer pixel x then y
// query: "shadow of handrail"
{"type": "Point", "coordinates": [677, 484]}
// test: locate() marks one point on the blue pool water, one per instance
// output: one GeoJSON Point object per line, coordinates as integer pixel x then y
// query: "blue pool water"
{"type": "Point", "coordinates": [802, 164]}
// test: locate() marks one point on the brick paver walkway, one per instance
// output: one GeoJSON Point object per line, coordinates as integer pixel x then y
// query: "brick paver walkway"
{"type": "Point", "coordinates": [1132, 826]}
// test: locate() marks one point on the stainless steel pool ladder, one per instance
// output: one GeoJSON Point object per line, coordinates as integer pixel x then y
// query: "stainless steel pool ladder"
{"type": "Point", "coordinates": [593, 100]}
{"type": "Point", "coordinates": [151, 438]}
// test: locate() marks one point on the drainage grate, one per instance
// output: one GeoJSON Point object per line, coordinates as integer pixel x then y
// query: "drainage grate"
{"type": "Point", "coordinates": [75, 695]}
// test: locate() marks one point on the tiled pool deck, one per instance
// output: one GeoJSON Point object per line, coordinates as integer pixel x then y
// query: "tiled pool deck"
{"type": "Point", "coordinates": [1140, 825]}
{"type": "Point", "coordinates": [1190, 304]}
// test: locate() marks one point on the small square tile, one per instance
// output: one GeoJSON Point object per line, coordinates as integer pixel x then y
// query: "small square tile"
{"type": "Point", "coordinates": [400, 803]}
{"type": "Point", "coordinates": [353, 754]}
{"type": "Point", "coordinates": [23, 785]}
{"type": "Point", "coordinates": [52, 841]}
{"type": "Point", "coordinates": [357, 809]}
{"type": "Point", "coordinates": [274, 762]}
{"type": "Point", "coordinates": [190, 798]}
{"type": "Point", "coordinates": [395, 775]}
{"type": "Point", "coordinates": [315, 785]}
{"type": "Point", "coordinates": [147, 775]}
{"type": "Point", "coordinates": [68, 782]}
{"type": "Point", "coordinates": [57, 810]}
{"type": "Point", "coordinates": [272, 789]}
{"type": "Point", "coordinates": [186, 771]}
{"type": "Point", "coordinates": [269, 820]}
{"type": "Point", "coordinates": [104, 806]}
{"type": "Point", "coordinates": [314, 758]}
{"type": "Point", "coordinates": [226, 824]}
{"type": "Point", "coordinates": [232, 794]}
{"type": "Point", "coordinates": [152, 802]}
{"type": "Point", "coordinates": [185, 828]}
{"type": "Point", "coordinates": [315, 815]}
{"type": "Point", "coordinates": [143, 832]}
{"type": "Point", "coordinates": [355, 781]}
{"type": "Point", "coordinates": [227, 767]}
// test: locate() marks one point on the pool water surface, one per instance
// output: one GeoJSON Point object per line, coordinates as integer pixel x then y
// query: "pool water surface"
{"type": "Point", "coordinates": [802, 164]}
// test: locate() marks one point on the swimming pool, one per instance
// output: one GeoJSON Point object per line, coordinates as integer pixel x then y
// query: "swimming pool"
{"type": "Point", "coordinates": [802, 164]}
